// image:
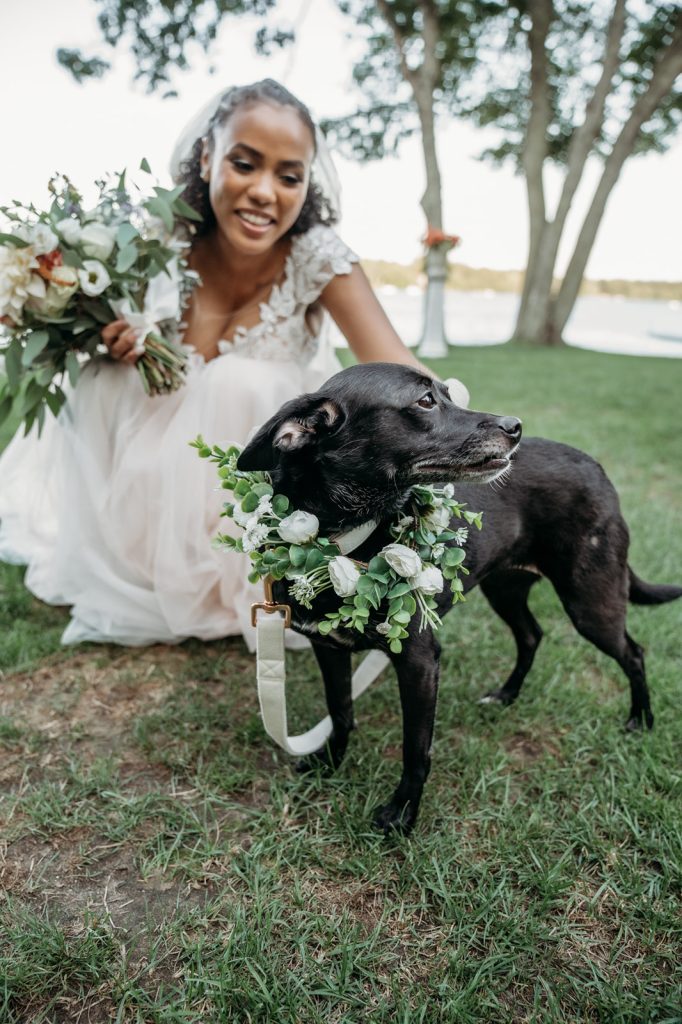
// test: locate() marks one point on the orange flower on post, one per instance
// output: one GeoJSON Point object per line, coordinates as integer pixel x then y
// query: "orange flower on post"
{"type": "Point", "coordinates": [435, 236]}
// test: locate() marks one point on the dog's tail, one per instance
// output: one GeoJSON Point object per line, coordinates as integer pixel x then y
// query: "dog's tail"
{"type": "Point", "coordinates": [642, 592]}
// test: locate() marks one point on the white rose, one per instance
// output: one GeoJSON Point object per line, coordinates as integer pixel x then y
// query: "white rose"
{"type": "Point", "coordinates": [429, 580]}
{"type": "Point", "coordinates": [438, 519]}
{"type": "Point", "coordinates": [299, 527]}
{"type": "Point", "coordinates": [98, 240]}
{"type": "Point", "coordinates": [94, 277]}
{"type": "Point", "coordinates": [64, 283]}
{"type": "Point", "coordinates": [344, 575]}
{"type": "Point", "coordinates": [70, 230]}
{"type": "Point", "coordinates": [449, 491]}
{"type": "Point", "coordinates": [43, 239]}
{"type": "Point", "coordinates": [404, 560]}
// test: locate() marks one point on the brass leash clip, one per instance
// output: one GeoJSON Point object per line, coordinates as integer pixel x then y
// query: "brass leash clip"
{"type": "Point", "coordinates": [269, 606]}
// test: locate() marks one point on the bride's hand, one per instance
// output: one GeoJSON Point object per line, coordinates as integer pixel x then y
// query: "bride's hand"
{"type": "Point", "coordinates": [121, 340]}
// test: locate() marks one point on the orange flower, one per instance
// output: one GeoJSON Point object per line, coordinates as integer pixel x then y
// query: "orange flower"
{"type": "Point", "coordinates": [47, 261]}
{"type": "Point", "coordinates": [434, 236]}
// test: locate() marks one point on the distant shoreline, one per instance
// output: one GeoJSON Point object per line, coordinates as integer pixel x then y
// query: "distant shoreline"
{"type": "Point", "coordinates": [473, 279]}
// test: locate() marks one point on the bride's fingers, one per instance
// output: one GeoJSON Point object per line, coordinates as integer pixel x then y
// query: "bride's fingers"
{"type": "Point", "coordinates": [124, 344]}
{"type": "Point", "coordinates": [111, 332]}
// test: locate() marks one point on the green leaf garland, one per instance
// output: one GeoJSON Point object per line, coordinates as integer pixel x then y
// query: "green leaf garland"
{"type": "Point", "coordinates": [401, 580]}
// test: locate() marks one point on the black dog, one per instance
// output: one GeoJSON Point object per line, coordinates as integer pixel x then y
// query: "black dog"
{"type": "Point", "coordinates": [350, 453]}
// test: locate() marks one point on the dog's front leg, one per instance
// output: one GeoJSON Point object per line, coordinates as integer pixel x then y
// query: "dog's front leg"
{"type": "Point", "coordinates": [417, 667]}
{"type": "Point", "coordinates": [335, 665]}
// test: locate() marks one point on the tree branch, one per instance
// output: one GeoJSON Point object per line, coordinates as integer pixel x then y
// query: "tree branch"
{"type": "Point", "coordinates": [584, 136]}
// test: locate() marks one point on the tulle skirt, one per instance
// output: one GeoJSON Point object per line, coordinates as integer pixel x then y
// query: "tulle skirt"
{"type": "Point", "coordinates": [114, 513]}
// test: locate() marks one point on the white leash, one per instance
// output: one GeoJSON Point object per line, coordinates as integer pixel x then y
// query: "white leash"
{"type": "Point", "coordinates": [271, 670]}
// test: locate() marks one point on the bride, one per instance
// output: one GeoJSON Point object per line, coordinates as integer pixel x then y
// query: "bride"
{"type": "Point", "coordinates": [111, 509]}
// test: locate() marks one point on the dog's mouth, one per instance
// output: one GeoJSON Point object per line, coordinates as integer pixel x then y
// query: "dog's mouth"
{"type": "Point", "coordinates": [484, 470]}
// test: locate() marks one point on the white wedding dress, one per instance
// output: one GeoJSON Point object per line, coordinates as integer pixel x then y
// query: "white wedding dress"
{"type": "Point", "coordinates": [114, 513]}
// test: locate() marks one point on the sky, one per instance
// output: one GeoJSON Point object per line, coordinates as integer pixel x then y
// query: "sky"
{"type": "Point", "coordinates": [49, 123]}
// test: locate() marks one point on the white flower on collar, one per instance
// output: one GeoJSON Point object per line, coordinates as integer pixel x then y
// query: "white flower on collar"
{"type": "Point", "coordinates": [344, 574]}
{"type": "Point", "coordinates": [429, 580]}
{"type": "Point", "coordinates": [299, 527]}
{"type": "Point", "coordinates": [405, 561]}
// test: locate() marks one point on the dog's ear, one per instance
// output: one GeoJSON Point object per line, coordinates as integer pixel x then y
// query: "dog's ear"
{"type": "Point", "coordinates": [298, 425]}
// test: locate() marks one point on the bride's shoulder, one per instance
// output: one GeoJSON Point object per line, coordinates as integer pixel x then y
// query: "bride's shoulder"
{"type": "Point", "coordinates": [320, 251]}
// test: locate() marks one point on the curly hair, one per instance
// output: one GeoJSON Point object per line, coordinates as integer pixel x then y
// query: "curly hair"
{"type": "Point", "coordinates": [316, 207]}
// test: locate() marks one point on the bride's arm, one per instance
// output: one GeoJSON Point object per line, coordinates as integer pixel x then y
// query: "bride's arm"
{"type": "Point", "coordinates": [361, 319]}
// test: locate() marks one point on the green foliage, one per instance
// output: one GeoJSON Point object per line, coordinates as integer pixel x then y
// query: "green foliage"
{"type": "Point", "coordinates": [161, 36]}
{"type": "Point", "coordinates": [574, 51]}
{"type": "Point", "coordinates": [398, 61]}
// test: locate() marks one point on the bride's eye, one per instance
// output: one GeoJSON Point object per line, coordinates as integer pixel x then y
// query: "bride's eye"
{"type": "Point", "coordinates": [243, 166]}
{"type": "Point", "coordinates": [291, 180]}
{"type": "Point", "coordinates": [427, 401]}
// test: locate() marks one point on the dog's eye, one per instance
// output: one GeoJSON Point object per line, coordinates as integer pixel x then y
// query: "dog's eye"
{"type": "Point", "coordinates": [427, 401]}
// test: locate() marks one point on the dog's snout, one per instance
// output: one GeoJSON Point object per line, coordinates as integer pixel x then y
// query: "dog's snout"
{"type": "Point", "coordinates": [511, 426]}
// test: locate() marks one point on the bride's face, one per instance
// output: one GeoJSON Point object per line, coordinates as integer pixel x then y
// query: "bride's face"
{"type": "Point", "coordinates": [258, 173]}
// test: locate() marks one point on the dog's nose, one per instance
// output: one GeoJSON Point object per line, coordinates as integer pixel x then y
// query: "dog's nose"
{"type": "Point", "coordinates": [510, 425]}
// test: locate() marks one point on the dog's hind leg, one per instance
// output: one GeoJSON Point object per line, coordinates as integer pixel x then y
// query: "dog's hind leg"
{"type": "Point", "coordinates": [417, 667]}
{"type": "Point", "coordinates": [597, 610]}
{"type": "Point", "coordinates": [507, 593]}
{"type": "Point", "coordinates": [335, 665]}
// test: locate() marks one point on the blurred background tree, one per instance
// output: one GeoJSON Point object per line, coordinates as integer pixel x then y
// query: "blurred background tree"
{"type": "Point", "coordinates": [560, 80]}
{"type": "Point", "coordinates": [564, 81]}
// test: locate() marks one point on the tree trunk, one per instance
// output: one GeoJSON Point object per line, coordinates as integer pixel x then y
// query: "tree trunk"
{"type": "Point", "coordinates": [543, 317]}
{"type": "Point", "coordinates": [534, 153]}
{"type": "Point", "coordinates": [423, 81]}
{"type": "Point", "coordinates": [537, 321]}
{"type": "Point", "coordinates": [662, 81]}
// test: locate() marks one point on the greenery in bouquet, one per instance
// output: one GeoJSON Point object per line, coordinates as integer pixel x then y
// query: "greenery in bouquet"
{"type": "Point", "coordinates": [67, 271]}
{"type": "Point", "coordinates": [401, 580]}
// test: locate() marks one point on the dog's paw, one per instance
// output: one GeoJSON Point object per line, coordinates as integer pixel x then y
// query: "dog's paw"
{"type": "Point", "coordinates": [497, 697]}
{"type": "Point", "coordinates": [394, 818]}
{"type": "Point", "coordinates": [636, 723]}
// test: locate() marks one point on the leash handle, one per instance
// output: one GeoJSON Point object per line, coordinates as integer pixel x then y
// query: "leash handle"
{"type": "Point", "coordinates": [271, 677]}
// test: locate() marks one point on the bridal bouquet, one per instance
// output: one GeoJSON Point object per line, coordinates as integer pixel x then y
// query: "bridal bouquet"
{"type": "Point", "coordinates": [403, 578]}
{"type": "Point", "coordinates": [67, 271]}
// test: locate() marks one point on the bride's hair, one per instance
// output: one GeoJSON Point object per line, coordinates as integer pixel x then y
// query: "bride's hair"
{"type": "Point", "coordinates": [316, 209]}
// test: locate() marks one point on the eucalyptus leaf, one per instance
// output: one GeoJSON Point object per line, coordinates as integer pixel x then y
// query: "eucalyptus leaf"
{"type": "Point", "coordinates": [35, 343]}
{"type": "Point", "coordinates": [13, 368]}
{"type": "Point", "coordinates": [73, 368]}
{"type": "Point", "coordinates": [6, 239]}
{"type": "Point", "coordinates": [127, 256]}
{"type": "Point", "coordinates": [125, 234]}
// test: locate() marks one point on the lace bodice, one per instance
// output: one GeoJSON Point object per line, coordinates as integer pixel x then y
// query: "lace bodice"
{"type": "Point", "coordinates": [282, 332]}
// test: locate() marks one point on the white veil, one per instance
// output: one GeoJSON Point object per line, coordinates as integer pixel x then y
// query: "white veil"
{"type": "Point", "coordinates": [323, 170]}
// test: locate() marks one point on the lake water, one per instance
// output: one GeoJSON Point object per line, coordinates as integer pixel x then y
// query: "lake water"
{"type": "Point", "coordinates": [603, 323]}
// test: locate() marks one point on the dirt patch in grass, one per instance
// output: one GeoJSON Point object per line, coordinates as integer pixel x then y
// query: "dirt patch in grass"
{"type": "Point", "coordinates": [76, 879]}
{"type": "Point", "coordinates": [525, 749]}
{"type": "Point", "coordinates": [82, 710]}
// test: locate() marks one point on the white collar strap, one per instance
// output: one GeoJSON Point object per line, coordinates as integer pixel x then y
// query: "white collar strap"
{"type": "Point", "coordinates": [352, 539]}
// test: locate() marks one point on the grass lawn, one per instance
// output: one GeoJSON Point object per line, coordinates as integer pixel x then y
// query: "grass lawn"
{"type": "Point", "coordinates": [161, 862]}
